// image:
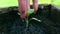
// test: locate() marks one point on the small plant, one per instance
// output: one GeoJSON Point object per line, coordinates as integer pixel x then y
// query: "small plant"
{"type": "Point", "coordinates": [30, 11]}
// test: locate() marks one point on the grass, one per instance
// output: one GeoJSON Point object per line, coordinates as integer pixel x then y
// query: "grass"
{"type": "Point", "coordinates": [15, 2]}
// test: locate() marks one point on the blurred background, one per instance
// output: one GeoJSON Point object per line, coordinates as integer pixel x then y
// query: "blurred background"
{"type": "Point", "coordinates": [5, 3]}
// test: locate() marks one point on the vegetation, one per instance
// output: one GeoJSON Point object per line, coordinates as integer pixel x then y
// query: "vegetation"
{"type": "Point", "coordinates": [15, 2]}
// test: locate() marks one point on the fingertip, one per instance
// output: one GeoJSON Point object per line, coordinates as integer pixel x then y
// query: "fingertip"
{"type": "Point", "coordinates": [35, 5]}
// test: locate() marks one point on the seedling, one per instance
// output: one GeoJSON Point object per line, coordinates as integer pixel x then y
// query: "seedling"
{"type": "Point", "coordinates": [30, 11]}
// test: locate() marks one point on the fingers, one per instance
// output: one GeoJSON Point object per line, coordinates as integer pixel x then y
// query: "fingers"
{"type": "Point", "coordinates": [22, 8]}
{"type": "Point", "coordinates": [28, 4]}
{"type": "Point", "coordinates": [35, 5]}
{"type": "Point", "coordinates": [23, 15]}
{"type": "Point", "coordinates": [24, 5]}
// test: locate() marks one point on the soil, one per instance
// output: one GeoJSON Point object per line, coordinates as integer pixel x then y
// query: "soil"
{"type": "Point", "coordinates": [11, 23]}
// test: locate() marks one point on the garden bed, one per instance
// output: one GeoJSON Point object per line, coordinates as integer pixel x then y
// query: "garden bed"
{"type": "Point", "coordinates": [11, 23]}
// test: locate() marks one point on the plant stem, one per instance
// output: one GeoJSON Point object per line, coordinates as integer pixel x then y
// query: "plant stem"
{"type": "Point", "coordinates": [27, 22]}
{"type": "Point", "coordinates": [30, 11]}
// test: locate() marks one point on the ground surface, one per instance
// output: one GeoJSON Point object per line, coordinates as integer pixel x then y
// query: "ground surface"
{"type": "Point", "coordinates": [15, 2]}
{"type": "Point", "coordinates": [11, 23]}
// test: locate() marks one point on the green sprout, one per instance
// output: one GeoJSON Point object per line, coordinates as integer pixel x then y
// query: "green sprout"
{"type": "Point", "coordinates": [30, 11]}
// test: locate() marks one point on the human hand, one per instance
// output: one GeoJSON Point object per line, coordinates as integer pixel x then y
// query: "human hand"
{"type": "Point", "coordinates": [24, 6]}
